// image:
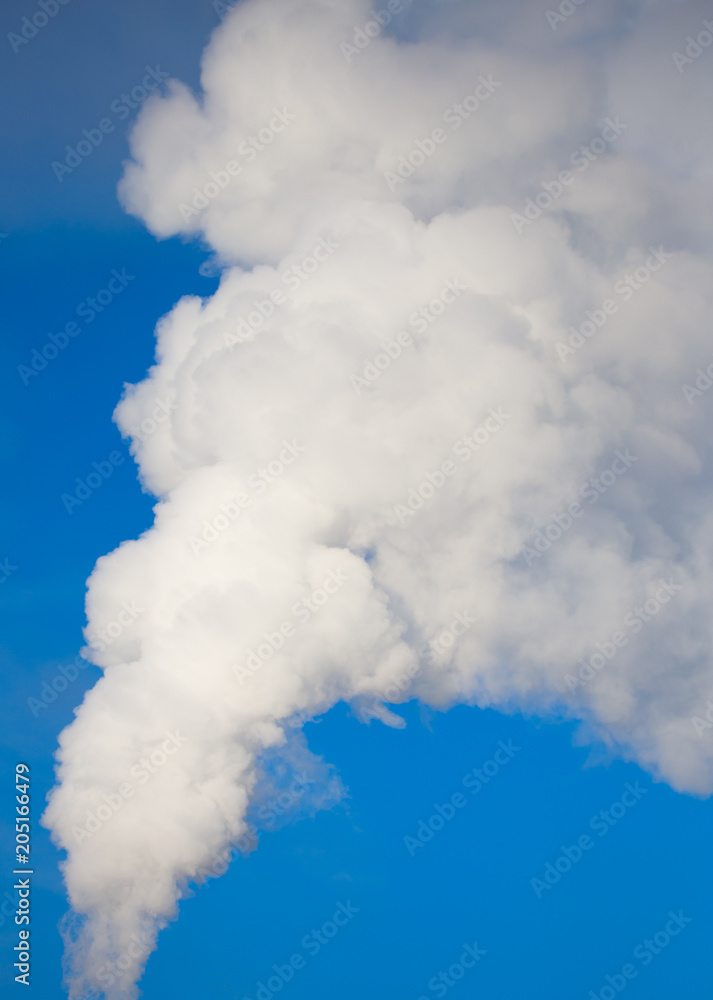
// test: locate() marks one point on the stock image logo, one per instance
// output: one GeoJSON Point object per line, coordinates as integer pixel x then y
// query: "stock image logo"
{"type": "Point", "coordinates": [356, 582]}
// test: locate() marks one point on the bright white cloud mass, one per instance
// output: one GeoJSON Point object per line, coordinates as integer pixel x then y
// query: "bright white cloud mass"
{"type": "Point", "coordinates": [455, 371]}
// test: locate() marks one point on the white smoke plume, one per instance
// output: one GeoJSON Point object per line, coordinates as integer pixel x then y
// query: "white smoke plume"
{"type": "Point", "coordinates": [455, 372]}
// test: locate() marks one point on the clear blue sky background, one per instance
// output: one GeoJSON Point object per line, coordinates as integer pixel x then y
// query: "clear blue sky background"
{"type": "Point", "coordinates": [472, 880]}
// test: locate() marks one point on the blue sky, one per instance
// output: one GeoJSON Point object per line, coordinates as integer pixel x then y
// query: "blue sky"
{"type": "Point", "coordinates": [410, 912]}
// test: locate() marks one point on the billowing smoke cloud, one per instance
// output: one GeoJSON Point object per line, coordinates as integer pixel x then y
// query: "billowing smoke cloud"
{"type": "Point", "coordinates": [441, 433]}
